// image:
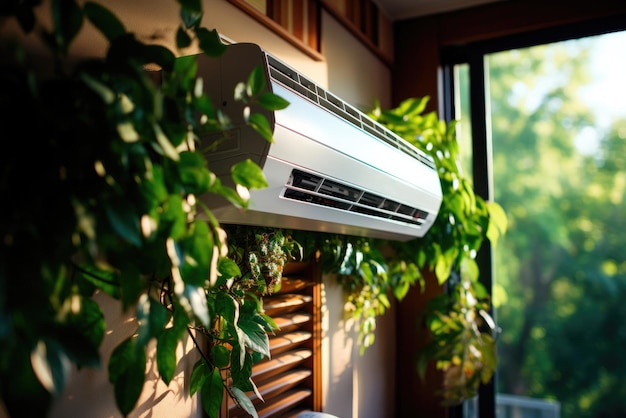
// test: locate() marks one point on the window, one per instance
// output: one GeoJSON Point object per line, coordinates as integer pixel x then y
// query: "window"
{"type": "Point", "coordinates": [557, 164]}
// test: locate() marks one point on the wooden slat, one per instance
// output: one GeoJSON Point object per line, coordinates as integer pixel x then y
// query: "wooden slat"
{"type": "Point", "coordinates": [291, 285]}
{"type": "Point", "coordinates": [285, 403]}
{"type": "Point", "coordinates": [291, 339]}
{"type": "Point", "coordinates": [290, 321]}
{"type": "Point", "coordinates": [282, 383]}
{"type": "Point", "coordinates": [280, 363]}
{"type": "Point", "coordinates": [271, 390]}
{"type": "Point", "coordinates": [280, 304]}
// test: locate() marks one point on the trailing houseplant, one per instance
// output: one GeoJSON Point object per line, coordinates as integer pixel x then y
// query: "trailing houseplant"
{"type": "Point", "coordinates": [99, 177]}
{"type": "Point", "coordinates": [370, 271]}
{"type": "Point", "coordinates": [461, 326]}
{"type": "Point", "coordinates": [101, 196]}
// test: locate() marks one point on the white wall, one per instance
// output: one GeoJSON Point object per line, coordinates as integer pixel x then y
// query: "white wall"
{"type": "Point", "coordinates": [354, 386]}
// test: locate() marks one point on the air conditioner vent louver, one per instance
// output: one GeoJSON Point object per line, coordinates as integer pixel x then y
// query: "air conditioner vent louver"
{"type": "Point", "coordinates": [289, 78]}
{"type": "Point", "coordinates": [310, 188]}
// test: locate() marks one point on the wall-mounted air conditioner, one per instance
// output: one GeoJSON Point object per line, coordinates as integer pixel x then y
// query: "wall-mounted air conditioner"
{"type": "Point", "coordinates": [330, 168]}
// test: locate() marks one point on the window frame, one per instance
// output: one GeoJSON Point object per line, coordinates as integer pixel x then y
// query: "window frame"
{"type": "Point", "coordinates": [475, 55]}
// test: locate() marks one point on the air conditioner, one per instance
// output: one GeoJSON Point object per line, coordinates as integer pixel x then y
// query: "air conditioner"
{"type": "Point", "coordinates": [330, 168]}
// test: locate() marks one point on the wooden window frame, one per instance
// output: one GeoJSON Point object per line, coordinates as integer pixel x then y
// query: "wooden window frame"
{"type": "Point", "coordinates": [360, 17]}
{"type": "Point", "coordinates": [306, 39]}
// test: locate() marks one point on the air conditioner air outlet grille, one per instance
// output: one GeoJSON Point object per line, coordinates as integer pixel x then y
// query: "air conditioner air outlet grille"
{"type": "Point", "coordinates": [317, 190]}
{"type": "Point", "coordinates": [291, 79]}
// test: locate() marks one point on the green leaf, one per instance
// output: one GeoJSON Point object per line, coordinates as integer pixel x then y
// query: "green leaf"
{"type": "Point", "coordinates": [127, 373]}
{"type": "Point", "coordinates": [256, 337]}
{"type": "Point", "coordinates": [107, 281]}
{"type": "Point", "coordinates": [131, 285]}
{"type": "Point", "coordinates": [165, 145]}
{"type": "Point", "coordinates": [244, 401]}
{"type": "Point", "coordinates": [260, 124]}
{"type": "Point", "coordinates": [220, 356]}
{"type": "Point", "coordinates": [271, 101]}
{"type": "Point", "coordinates": [210, 42]}
{"type": "Point", "coordinates": [443, 268]}
{"type": "Point", "coordinates": [241, 371]}
{"type": "Point", "coordinates": [248, 174]}
{"type": "Point", "coordinates": [67, 18]}
{"type": "Point", "coordinates": [226, 307]}
{"type": "Point", "coordinates": [106, 22]}
{"type": "Point", "coordinates": [270, 325]}
{"type": "Point", "coordinates": [497, 222]}
{"type": "Point", "coordinates": [212, 393]}
{"type": "Point", "coordinates": [198, 252]}
{"type": "Point", "coordinates": [228, 268]}
{"type": "Point", "coordinates": [123, 219]}
{"type": "Point", "coordinates": [173, 216]}
{"type": "Point", "coordinates": [106, 94]}
{"type": "Point", "coordinates": [256, 82]}
{"type": "Point", "coordinates": [198, 376]}
{"type": "Point", "coordinates": [194, 174]}
{"type": "Point", "coordinates": [167, 343]}
{"type": "Point", "coordinates": [89, 322]}
{"type": "Point", "coordinates": [191, 12]}
{"type": "Point", "coordinates": [194, 298]}
{"type": "Point", "coordinates": [182, 38]}
{"type": "Point", "coordinates": [152, 317]}
{"type": "Point", "coordinates": [153, 185]}
{"type": "Point", "coordinates": [469, 269]}
{"type": "Point", "coordinates": [184, 72]}
{"type": "Point", "coordinates": [181, 321]}
{"type": "Point", "coordinates": [229, 194]}
{"type": "Point", "coordinates": [50, 364]}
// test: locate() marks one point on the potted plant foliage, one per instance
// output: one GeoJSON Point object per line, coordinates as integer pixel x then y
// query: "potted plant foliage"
{"type": "Point", "coordinates": [99, 177]}
{"type": "Point", "coordinates": [371, 271]}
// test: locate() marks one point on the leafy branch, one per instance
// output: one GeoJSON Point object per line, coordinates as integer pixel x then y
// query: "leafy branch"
{"type": "Point", "coordinates": [99, 183]}
{"type": "Point", "coordinates": [371, 271]}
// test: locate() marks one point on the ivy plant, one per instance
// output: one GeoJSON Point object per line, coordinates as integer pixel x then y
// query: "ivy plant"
{"type": "Point", "coordinates": [99, 178]}
{"type": "Point", "coordinates": [99, 183]}
{"type": "Point", "coordinates": [459, 320]}
{"type": "Point", "coordinates": [371, 271]}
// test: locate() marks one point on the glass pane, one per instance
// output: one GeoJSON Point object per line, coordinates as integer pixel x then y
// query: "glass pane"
{"type": "Point", "coordinates": [463, 116]}
{"type": "Point", "coordinates": [558, 122]}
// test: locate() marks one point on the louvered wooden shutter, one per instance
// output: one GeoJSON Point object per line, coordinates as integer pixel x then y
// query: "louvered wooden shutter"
{"type": "Point", "coordinates": [290, 381]}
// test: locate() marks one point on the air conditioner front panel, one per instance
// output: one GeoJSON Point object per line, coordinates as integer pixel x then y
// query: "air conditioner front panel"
{"type": "Point", "coordinates": [266, 210]}
{"type": "Point", "coordinates": [309, 136]}
{"type": "Point", "coordinates": [315, 157]}
{"type": "Point", "coordinates": [331, 168]}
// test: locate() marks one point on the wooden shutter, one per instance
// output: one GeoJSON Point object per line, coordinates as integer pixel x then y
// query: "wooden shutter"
{"type": "Point", "coordinates": [290, 381]}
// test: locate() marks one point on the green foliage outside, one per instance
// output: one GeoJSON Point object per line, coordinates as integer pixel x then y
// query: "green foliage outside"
{"type": "Point", "coordinates": [561, 269]}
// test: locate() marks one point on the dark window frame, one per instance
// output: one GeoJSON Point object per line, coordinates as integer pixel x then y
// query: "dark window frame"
{"type": "Point", "coordinates": [475, 55]}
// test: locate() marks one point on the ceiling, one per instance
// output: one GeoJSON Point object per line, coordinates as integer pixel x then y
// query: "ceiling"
{"type": "Point", "coordinates": [404, 9]}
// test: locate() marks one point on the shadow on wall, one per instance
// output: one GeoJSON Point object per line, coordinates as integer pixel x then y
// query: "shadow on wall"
{"type": "Point", "coordinates": [89, 392]}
